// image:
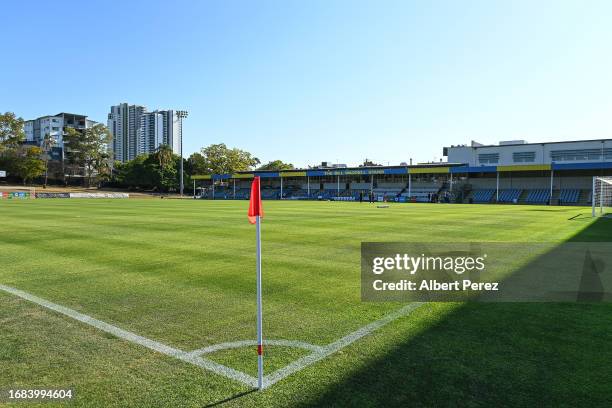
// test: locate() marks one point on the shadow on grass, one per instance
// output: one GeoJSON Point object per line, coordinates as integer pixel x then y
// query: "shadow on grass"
{"type": "Point", "coordinates": [495, 354]}
{"type": "Point", "coordinates": [233, 398]}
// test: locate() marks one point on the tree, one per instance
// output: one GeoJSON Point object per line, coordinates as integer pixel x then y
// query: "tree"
{"type": "Point", "coordinates": [369, 163]}
{"type": "Point", "coordinates": [165, 159]}
{"type": "Point", "coordinates": [11, 131]}
{"type": "Point", "coordinates": [159, 169]}
{"type": "Point", "coordinates": [47, 145]}
{"type": "Point", "coordinates": [89, 149]}
{"type": "Point", "coordinates": [276, 165]}
{"type": "Point", "coordinates": [219, 159]}
{"type": "Point", "coordinates": [28, 164]}
{"type": "Point", "coordinates": [196, 164]}
{"type": "Point", "coordinates": [164, 156]}
{"type": "Point", "coordinates": [71, 161]}
{"type": "Point", "coordinates": [23, 161]}
{"type": "Point", "coordinates": [102, 166]}
{"type": "Point", "coordinates": [139, 172]}
{"type": "Point", "coordinates": [147, 171]}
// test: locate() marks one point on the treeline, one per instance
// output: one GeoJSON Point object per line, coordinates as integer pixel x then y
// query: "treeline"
{"type": "Point", "coordinates": [87, 160]}
{"type": "Point", "coordinates": [161, 170]}
{"type": "Point", "coordinates": [157, 171]}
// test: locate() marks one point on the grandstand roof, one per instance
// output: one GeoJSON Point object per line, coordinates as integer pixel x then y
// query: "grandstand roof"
{"type": "Point", "coordinates": [441, 167]}
{"type": "Point", "coordinates": [366, 168]}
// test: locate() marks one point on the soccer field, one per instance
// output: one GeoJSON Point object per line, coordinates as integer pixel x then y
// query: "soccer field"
{"type": "Point", "coordinates": [181, 274]}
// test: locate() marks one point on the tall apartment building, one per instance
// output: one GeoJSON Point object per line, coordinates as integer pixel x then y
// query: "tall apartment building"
{"type": "Point", "coordinates": [150, 132]}
{"type": "Point", "coordinates": [157, 128]}
{"type": "Point", "coordinates": [123, 124]}
{"type": "Point", "coordinates": [136, 131]}
{"type": "Point", "coordinates": [172, 130]}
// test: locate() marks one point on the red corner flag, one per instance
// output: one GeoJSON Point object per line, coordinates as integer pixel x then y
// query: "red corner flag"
{"type": "Point", "coordinates": [255, 214]}
{"type": "Point", "coordinates": [255, 207]}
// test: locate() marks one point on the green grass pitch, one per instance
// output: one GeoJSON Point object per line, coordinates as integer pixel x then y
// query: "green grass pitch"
{"type": "Point", "coordinates": [182, 272]}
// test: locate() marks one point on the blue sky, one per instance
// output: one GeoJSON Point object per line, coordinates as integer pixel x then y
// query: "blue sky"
{"type": "Point", "coordinates": [311, 81]}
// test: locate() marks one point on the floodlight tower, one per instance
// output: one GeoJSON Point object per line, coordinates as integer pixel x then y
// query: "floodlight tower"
{"type": "Point", "coordinates": [181, 114]}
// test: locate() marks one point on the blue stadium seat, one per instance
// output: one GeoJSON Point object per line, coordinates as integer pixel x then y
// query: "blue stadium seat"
{"type": "Point", "coordinates": [482, 196]}
{"type": "Point", "coordinates": [270, 193]}
{"type": "Point", "coordinates": [539, 196]}
{"type": "Point", "coordinates": [509, 196]}
{"type": "Point", "coordinates": [569, 196]}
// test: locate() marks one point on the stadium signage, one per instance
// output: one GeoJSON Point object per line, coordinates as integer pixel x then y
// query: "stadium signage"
{"type": "Point", "coordinates": [99, 195]}
{"type": "Point", "coordinates": [52, 195]}
{"type": "Point", "coordinates": [10, 195]}
{"type": "Point", "coordinates": [487, 272]}
{"type": "Point", "coordinates": [347, 172]}
{"type": "Point", "coordinates": [82, 195]}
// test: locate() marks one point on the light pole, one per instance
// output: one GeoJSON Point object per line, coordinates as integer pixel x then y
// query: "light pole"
{"type": "Point", "coordinates": [181, 114]}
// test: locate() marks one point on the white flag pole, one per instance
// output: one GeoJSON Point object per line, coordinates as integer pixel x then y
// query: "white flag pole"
{"type": "Point", "coordinates": [260, 384]}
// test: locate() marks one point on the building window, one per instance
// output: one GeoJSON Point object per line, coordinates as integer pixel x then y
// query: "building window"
{"type": "Point", "coordinates": [488, 158]}
{"type": "Point", "coordinates": [580, 155]}
{"type": "Point", "coordinates": [523, 157]}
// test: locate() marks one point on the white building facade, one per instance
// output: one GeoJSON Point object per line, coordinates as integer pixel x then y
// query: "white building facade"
{"type": "Point", "coordinates": [54, 126]}
{"type": "Point", "coordinates": [519, 152]}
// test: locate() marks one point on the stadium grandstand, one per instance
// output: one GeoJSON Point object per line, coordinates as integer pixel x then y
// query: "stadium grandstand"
{"type": "Point", "coordinates": [513, 172]}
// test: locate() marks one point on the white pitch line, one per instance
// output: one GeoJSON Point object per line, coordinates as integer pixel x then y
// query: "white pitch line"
{"type": "Point", "coordinates": [193, 357]}
{"type": "Point", "coordinates": [134, 338]}
{"type": "Point", "coordinates": [337, 345]}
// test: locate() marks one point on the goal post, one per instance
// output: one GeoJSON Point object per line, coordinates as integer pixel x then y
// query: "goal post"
{"type": "Point", "coordinates": [601, 198]}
